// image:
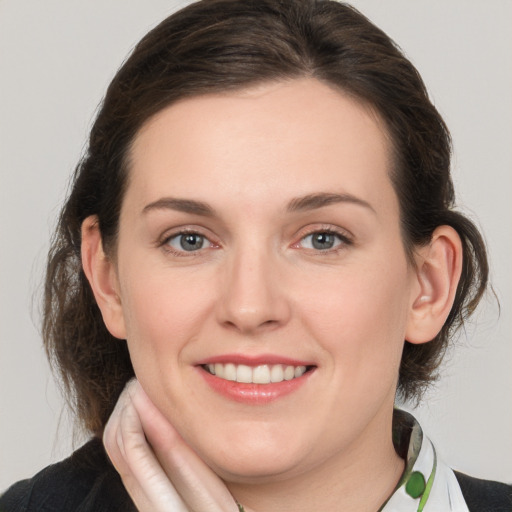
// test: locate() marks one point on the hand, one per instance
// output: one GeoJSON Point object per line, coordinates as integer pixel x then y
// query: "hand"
{"type": "Point", "coordinates": [159, 470]}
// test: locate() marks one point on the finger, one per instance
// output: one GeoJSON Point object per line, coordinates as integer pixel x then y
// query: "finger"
{"type": "Point", "coordinates": [144, 478]}
{"type": "Point", "coordinates": [199, 486]}
{"type": "Point", "coordinates": [111, 441]}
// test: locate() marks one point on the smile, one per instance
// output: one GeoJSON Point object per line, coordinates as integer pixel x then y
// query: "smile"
{"type": "Point", "coordinates": [261, 374]}
{"type": "Point", "coordinates": [255, 380]}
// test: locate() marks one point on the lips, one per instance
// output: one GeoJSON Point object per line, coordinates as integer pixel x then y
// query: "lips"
{"type": "Point", "coordinates": [256, 380]}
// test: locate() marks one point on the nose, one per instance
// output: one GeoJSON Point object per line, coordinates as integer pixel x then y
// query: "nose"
{"type": "Point", "coordinates": [254, 298]}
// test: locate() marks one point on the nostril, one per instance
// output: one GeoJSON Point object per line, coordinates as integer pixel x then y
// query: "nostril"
{"type": "Point", "coordinates": [230, 325]}
{"type": "Point", "coordinates": [245, 320]}
{"type": "Point", "coordinates": [246, 327]}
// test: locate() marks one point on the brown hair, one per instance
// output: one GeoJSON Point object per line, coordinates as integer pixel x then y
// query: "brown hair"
{"type": "Point", "coordinates": [221, 45]}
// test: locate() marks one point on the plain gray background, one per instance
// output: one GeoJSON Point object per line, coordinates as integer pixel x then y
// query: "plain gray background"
{"type": "Point", "coordinates": [56, 59]}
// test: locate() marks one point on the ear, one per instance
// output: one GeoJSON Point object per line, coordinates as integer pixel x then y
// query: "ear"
{"type": "Point", "coordinates": [438, 270]}
{"type": "Point", "coordinates": [102, 276]}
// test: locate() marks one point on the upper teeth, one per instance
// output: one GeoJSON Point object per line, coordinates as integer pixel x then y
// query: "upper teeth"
{"type": "Point", "coordinates": [263, 374]}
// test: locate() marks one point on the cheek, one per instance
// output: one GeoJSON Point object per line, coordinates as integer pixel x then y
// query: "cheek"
{"type": "Point", "coordinates": [162, 315]}
{"type": "Point", "coordinates": [359, 317]}
{"type": "Point", "coordinates": [164, 318]}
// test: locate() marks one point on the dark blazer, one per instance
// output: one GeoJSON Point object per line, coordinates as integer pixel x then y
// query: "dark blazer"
{"type": "Point", "coordinates": [84, 482]}
{"type": "Point", "coordinates": [485, 495]}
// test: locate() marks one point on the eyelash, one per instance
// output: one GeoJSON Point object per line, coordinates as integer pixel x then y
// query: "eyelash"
{"type": "Point", "coordinates": [344, 239]}
{"type": "Point", "coordinates": [183, 232]}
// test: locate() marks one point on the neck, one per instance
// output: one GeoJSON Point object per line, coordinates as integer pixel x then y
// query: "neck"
{"type": "Point", "coordinates": [359, 479]}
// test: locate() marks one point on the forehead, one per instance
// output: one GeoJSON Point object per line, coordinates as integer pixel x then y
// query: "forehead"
{"type": "Point", "coordinates": [299, 137]}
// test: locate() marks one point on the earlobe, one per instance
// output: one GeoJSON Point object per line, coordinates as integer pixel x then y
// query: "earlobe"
{"type": "Point", "coordinates": [101, 274]}
{"type": "Point", "coordinates": [438, 270]}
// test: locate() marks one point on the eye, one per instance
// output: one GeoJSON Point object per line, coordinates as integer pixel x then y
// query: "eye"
{"type": "Point", "coordinates": [188, 242]}
{"type": "Point", "coordinates": [323, 241]}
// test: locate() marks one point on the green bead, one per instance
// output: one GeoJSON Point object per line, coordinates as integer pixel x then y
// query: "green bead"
{"type": "Point", "coordinates": [415, 485]}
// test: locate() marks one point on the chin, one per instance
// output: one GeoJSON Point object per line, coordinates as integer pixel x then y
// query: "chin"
{"type": "Point", "coordinates": [255, 471]}
{"type": "Point", "coordinates": [252, 454]}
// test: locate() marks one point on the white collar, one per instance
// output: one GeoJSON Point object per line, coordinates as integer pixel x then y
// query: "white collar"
{"type": "Point", "coordinates": [427, 484]}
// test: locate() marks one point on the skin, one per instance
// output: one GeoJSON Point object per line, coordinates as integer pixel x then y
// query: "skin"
{"type": "Point", "coordinates": [258, 286]}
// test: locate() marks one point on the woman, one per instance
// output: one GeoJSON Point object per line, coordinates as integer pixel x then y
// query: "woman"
{"type": "Point", "coordinates": [262, 218]}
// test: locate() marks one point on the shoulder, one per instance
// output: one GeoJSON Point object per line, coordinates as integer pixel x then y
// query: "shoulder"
{"type": "Point", "coordinates": [84, 482]}
{"type": "Point", "coordinates": [485, 495]}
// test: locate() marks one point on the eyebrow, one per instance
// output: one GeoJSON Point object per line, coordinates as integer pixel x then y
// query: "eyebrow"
{"type": "Point", "coordinates": [181, 205]}
{"type": "Point", "coordinates": [298, 204]}
{"type": "Point", "coordinates": [321, 199]}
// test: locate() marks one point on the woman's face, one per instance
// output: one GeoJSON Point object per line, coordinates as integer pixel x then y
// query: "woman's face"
{"type": "Point", "coordinates": [260, 231]}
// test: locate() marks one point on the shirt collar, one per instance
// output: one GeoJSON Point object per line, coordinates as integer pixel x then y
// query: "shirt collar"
{"type": "Point", "coordinates": [427, 484]}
